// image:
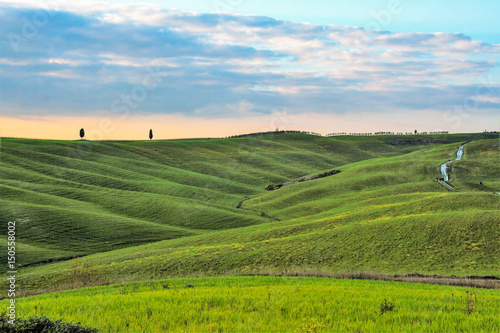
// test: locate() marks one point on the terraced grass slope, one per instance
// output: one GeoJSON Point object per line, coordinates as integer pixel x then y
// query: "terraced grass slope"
{"type": "Point", "coordinates": [272, 304]}
{"type": "Point", "coordinates": [77, 198]}
{"type": "Point", "coordinates": [383, 214]}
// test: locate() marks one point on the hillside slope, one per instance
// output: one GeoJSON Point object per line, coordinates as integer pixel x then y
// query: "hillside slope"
{"type": "Point", "coordinates": [73, 198]}
{"type": "Point", "coordinates": [384, 215]}
{"type": "Point", "coordinates": [479, 165]}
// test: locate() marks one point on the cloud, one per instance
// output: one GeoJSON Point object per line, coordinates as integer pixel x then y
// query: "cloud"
{"type": "Point", "coordinates": [85, 57]}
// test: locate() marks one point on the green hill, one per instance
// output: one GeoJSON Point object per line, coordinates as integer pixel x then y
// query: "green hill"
{"type": "Point", "coordinates": [74, 198]}
{"type": "Point", "coordinates": [383, 213]}
{"type": "Point", "coordinates": [479, 165]}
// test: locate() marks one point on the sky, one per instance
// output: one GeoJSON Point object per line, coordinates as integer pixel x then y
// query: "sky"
{"type": "Point", "coordinates": [215, 68]}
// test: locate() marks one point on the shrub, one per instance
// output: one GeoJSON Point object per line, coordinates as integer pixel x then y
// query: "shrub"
{"type": "Point", "coordinates": [386, 306]}
{"type": "Point", "coordinates": [41, 325]}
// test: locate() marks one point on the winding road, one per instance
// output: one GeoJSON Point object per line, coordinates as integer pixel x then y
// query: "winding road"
{"type": "Point", "coordinates": [444, 168]}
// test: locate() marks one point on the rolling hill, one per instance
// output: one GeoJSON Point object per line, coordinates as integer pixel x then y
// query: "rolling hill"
{"type": "Point", "coordinates": [141, 210]}
{"type": "Point", "coordinates": [78, 198]}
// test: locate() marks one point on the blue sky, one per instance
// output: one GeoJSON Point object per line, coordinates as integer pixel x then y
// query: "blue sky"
{"type": "Point", "coordinates": [478, 19]}
{"type": "Point", "coordinates": [323, 67]}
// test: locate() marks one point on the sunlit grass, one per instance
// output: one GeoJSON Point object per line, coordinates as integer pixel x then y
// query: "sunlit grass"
{"type": "Point", "coordinates": [383, 215]}
{"type": "Point", "coordinates": [277, 304]}
{"type": "Point", "coordinates": [144, 211]}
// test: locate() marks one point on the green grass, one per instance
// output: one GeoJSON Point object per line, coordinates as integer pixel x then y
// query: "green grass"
{"type": "Point", "coordinates": [383, 215]}
{"type": "Point", "coordinates": [277, 304]}
{"type": "Point", "coordinates": [479, 164]}
{"type": "Point", "coordinates": [75, 198]}
{"type": "Point", "coordinates": [144, 211]}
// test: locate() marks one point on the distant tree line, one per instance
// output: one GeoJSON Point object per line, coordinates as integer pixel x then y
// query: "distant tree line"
{"type": "Point", "coordinates": [385, 133]}
{"type": "Point", "coordinates": [277, 131]}
{"type": "Point", "coordinates": [249, 135]}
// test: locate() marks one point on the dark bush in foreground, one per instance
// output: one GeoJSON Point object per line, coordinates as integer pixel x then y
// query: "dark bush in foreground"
{"type": "Point", "coordinates": [41, 325]}
{"type": "Point", "coordinates": [386, 307]}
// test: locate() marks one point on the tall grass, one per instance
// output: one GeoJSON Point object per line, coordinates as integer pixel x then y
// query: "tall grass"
{"type": "Point", "coordinates": [277, 304]}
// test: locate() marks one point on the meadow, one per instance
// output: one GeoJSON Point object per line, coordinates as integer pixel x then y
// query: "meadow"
{"type": "Point", "coordinates": [77, 198]}
{"type": "Point", "coordinates": [479, 165]}
{"type": "Point", "coordinates": [132, 214]}
{"type": "Point", "coordinates": [277, 304]}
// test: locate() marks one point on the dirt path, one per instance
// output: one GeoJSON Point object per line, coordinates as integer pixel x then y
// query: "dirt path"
{"type": "Point", "coordinates": [303, 179]}
{"type": "Point", "coordinates": [262, 214]}
{"type": "Point", "coordinates": [444, 168]}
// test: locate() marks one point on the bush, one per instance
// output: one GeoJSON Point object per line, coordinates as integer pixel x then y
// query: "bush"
{"type": "Point", "coordinates": [386, 307]}
{"type": "Point", "coordinates": [41, 325]}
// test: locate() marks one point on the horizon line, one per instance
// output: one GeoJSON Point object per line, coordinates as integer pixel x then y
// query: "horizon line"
{"type": "Point", "coordinates": [255, 134]}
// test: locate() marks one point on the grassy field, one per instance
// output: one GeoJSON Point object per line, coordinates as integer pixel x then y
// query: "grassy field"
{"type": "Point", "coordinates": [381, 214]}
{"type": "Point", "coordinates": [479, 165]}
{"type": "Point", "coordinates": [78, 198]}
{"type": "Point", "coordinates": [145, 211]}
{"type": "Point", "coordinates": [277, 304]}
